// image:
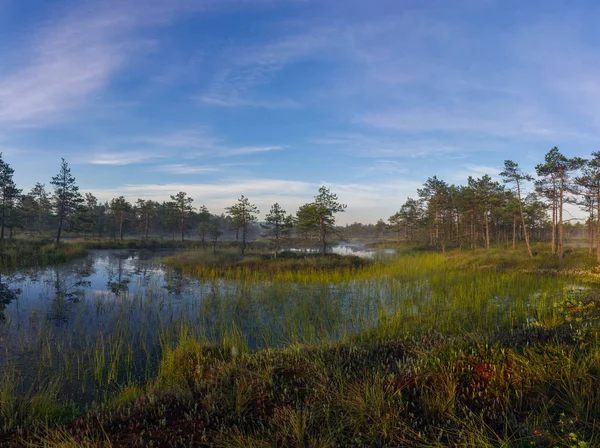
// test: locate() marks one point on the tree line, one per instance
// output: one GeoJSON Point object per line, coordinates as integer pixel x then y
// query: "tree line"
{"type": "Point", "coordinates": [485, 211]}
{"type": "Point", "coordinates": [66, 209]}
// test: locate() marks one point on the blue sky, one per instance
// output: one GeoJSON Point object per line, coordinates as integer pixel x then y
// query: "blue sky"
{"type": "Point", "coordinates": [271, 99]}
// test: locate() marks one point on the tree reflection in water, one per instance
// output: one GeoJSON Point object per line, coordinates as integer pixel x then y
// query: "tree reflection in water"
{"type": "Point", "coordinates": [118, 282]}
{"type": "Point", "coordinates": [68, 289]}
{"type": "Point", "coordinates": [7, 295]}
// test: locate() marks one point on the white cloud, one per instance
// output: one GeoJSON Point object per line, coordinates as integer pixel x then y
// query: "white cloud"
{"type": "Point", "coordinates": [118, 158]}
{"type": "Point", "coordinates": [239, 102]}
{"type": "Point", "coordinates": [250, 150]}
{"type": "Point", "coordinates": [386, 166]}
{"type": "Point", "coordinates": [66, 62]}
{"type": "Point", "coordinates": [461, 175]}
{"type": "Point", "coordinates": [71, 57]}
{"type": "Point", "coordinates": [200, 142]}
{"type": "Point", "coordinates": [365, 202]}
{"type": "Point", "coordinates": [376, 145]}
{"type": "Point", "coordinates": [196, 138]}
{"type": "Point", "coordinates": [186, 169]}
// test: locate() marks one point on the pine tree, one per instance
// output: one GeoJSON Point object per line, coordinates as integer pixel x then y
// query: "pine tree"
{"type": "Point", "coordinates": [66, 197]}
{"type": "Point", "coordinates": [9, 194]}
{"type": "Point", "coordinates": [277, 225]}
{"type": "Point", "coordinates": [243, 214]}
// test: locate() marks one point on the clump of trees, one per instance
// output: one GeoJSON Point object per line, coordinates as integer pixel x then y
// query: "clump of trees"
{"type": "Point", "coordinates": [484, 212]}
{"type": "Point", "coordinates": [319, 216]}
{"type": "Point", "coordinates": [480, 213]}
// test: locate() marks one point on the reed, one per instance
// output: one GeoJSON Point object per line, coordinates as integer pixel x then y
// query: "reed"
{"type": "Point", "coordinates": [414, 349]}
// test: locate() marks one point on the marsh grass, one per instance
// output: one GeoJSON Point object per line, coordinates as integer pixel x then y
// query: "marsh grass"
{"type": "Point", "coordinates": [230, 264]}
{"type": "Point", "coordinates": [420, 349]}
{"type": "Point", "coordinates": [154, 244]}
{"type": "Point", "coordinates": [15, 254]}
{"type": "Point", "coordinates": [426, 391]}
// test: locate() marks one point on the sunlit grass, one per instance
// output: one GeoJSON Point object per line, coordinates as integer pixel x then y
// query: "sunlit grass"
{"type": "Point", "coordinates": [423, 349]}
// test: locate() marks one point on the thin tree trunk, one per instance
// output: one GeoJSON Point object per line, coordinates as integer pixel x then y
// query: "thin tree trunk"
{"type": "Point", "coordinates": [591, 230]}
{"type": "Point", "coordinates": [182, 223]}
{"type": "Point", "coordinates": [61, 212]}
{"type": "Point", "coordinates": [487, 231]}
{"type": "Point", "coordinates": [560, 216]}
{"type": "Point", "coordinates": [146, 228]}
{"type": "Point", "coordinates": [514, 231]}
{"type": "Point", "coordinates": [554, 218]}
{"type": "Point", "coordinates": [323, 240]}
{"type": "Point", "coordinates": [243, 241]}
{"type": "Point", "coordinates": [121, 227]}
{"type": "Point", "coordinates": [523, 220]}
{"type": "Point", "coordinates": [598, 227]}
{"type": "Point", "coordinates": [473, 230]}
{"type": "Point", "coordinates": [437, 225]}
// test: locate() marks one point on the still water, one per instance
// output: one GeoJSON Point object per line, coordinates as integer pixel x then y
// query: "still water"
{"type": "Point", "coordinates": [104, 319]}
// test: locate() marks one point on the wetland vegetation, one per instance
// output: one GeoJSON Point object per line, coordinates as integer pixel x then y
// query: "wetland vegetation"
{"type": "Point", "coordinates": [467, 320]}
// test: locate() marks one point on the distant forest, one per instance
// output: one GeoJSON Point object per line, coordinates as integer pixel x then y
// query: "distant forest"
{"type": "Point", "coordinates": [481, 213]}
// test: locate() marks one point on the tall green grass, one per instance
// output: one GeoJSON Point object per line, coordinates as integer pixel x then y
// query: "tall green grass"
{"type": "Point", "coordinates": [15, 254]}
{"type": "Point", "coordinates": [419, 349]}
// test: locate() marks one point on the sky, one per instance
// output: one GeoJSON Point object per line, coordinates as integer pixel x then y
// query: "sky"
{"type": "Point", "coordinates": [273, 98]}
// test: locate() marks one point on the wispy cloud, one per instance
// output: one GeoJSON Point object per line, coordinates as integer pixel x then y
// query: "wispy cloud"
{"type": "Point", "coordinates": [239, 102]}
{"type": "Point", "coordinates": [200, 141]}
{"type": "Point", "coordinates": [518, 120]}
{"type": "Point", "coordinates": [376, 145]}
{"type": "Point", "coordinates": [67, 61]}
{"type": "Point", "coordinates": [186, 169]}
{"type": "Point", "coordinates": [244, 150]}
{"type": "Point", "coordinates": [75, 54]}
{"type": "Point", "coordinates": [462, 174]}
{"type": "Point", "coordinates": [118, 158]}
{"type": "Point", "coordinates": [386, 166]}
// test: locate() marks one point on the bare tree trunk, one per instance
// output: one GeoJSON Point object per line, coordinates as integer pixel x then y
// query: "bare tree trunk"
{"type": "Point", "coordinates": [182, 223]}
{"type": "Point", "coordinates": [554, 218]}
{"type": "Point", "coordinates": [523, 220]}
{"type": "Point", "coordinates": [514, 231]}
{"type": "Point", "coordinates": [560, 216]}
{"type": "Point", "coordinates": [487, 231]}
{"type": "Point", "coordinates": [60, 223]}
{"type": "Point", "coordinates": [243, 250]}
{"type": "Point", "coordinates": [473, 230]}
{"type": "Point", "coordinates": [437, 225]}
{"type": "Point", "coordinates": [598, 227]}
{"type": "Point", "coordinates": [146, 228]}
{"type": "Point", "coordinates": [121, 227]}
{"type": "Point", "coordinates": [591, 230]}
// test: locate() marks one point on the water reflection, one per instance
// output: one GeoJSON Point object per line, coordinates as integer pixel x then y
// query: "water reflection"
{"type": "Point", "coordinates": [358, 249]}
{"type": "Point", "coordinates": [118, 278]}
{"type": "Point", "coordinates": [68, 287]}
{"type": "Point", "coordinates": [108, 316]}
{"type": "Point", "coordinates": [7, 295]}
